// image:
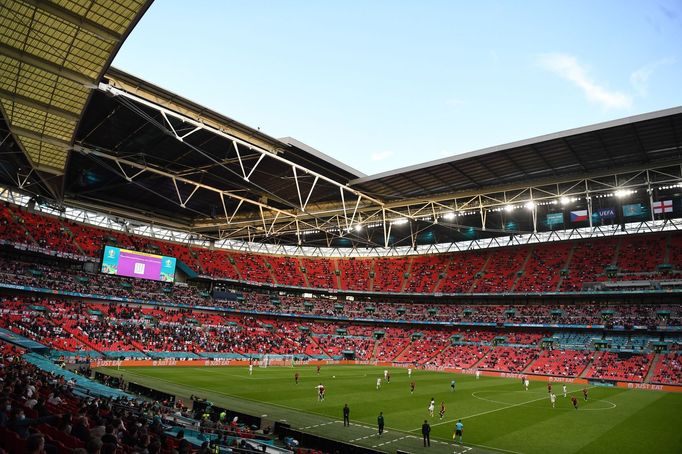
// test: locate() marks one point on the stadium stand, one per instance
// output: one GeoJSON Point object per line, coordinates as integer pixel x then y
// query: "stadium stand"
{"type": "Point", "coordinates": [613, 366]}
{"type": "Point", "coordinates": [540, 268]}
{"type": "Point", "coordinates": [668, 370]}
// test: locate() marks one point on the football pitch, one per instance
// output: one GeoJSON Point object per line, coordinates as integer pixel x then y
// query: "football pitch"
{"type": "Point", "coordinates": [497, 413]}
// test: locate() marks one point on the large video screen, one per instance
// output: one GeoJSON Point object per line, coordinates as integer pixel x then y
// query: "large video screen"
{"type": "Point", "coordinates": [123, 262]}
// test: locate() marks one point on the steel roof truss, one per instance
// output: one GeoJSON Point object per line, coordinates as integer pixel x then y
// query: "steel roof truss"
{"type": "Point", "coordinates": [125, 175]}
{"type": "Point", "coordinates": [147, 168]}
{"type": "Point", "coordinates": [198, 125]}
{"type": "Point", "coordinates": [183, 203]}
{"type": "Point", "coordinates": [298, 190]}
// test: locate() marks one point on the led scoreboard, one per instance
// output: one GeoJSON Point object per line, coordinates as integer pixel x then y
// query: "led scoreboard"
{"type": "Point", "coordinates": [123, 262]}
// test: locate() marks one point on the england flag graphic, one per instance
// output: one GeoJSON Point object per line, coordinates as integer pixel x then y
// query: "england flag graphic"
{"type": "Point", "coordinates": [663, 206]}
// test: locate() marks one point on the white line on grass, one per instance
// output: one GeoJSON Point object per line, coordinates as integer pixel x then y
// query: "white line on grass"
{"type": "Point", "coordinates": [474, 394]}
{"type": "Point", "coordinates": [394, 440]}
{"type": "Point", "coordinates": [489, 411]}
{"type": "Point", "coordinates": [375, 434]}
{"type": "Point", "coordinates": [464, 448]}
{"type": "Point", "coordinates": [483, 413]}
{"type": "Point", "coordinates": [493, 448]}
{"type": "Point", "coordinates": [362, 425]}
{"type": "Point", "coordinates": [319, 425]}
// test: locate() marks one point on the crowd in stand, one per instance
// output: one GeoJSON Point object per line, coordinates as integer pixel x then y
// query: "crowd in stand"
{"type": "Point", "coordinates": [74, 280]}
{"type": "Point", "coordinates": [613, 366]}
{"type": "Point", "coordinates": [509, 359]}
{"type": "Point", "coordinates": [128, 330]}
{"type": "Point", "coordinates": [565, 266]}
{"type": "Point", "coordinates": [669, 369]}
{"type": "Point", "coordinates": [566, 363]}
{"type": "Point", "coordinates": [40, 411]}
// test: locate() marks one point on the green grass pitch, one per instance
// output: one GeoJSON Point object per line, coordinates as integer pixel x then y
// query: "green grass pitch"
{"type": "Point", "coordinates": [498, 414]}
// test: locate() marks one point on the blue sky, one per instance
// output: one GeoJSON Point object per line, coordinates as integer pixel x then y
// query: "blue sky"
{"type": "Point", "coordinates": [383, 84]}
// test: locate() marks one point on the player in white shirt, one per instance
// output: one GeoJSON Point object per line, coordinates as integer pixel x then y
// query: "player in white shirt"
{"type": "Point", "coordinates": [250, 369]}
{"type": "Point", "coordinates": [432, 407]}
{"type": "Point", "coordinates": [409, 372]}
{"type": "Point", "coordinates": [385, 373]}
{"type": "Point", "coordinates": [526, 382]}
{"type": "Point", "coordinates": [378, 383]}
{"type": "Point", "coordinates": [564, 389]}
{"type": "Point", "coordinates": [552, 398]}
{"type": "Point", "coordinates": [320, 392]}
{"type": "Point", "coordinates": [478, 374]}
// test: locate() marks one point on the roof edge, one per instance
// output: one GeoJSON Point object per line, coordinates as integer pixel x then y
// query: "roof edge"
{"type": "Point", "coordinates": [524, 142]}
{"type": "Point", "coordinates": [320, 155]}
{"type": "Point", "coordinates": [198, 109]}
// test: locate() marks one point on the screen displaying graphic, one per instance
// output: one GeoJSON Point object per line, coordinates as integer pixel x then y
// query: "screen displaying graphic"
{"type": "Point", "coordinates": [123, 262]}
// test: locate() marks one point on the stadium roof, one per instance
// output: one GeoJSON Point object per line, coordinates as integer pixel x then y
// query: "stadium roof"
{"type": "Point", "coordinates": [52, 53]}
{"type": "Point", "coordinates": [629, 143]}
{"type": "Point", "coordinates": [81, 134]}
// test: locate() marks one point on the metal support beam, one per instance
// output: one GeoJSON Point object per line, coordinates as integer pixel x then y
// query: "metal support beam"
{"type": "Point", "coordinates": [237, 141]}
{"type": "Point", "coordinates": [87, 151]}
{"type": "Point", "coordinates": [19, 99]}
{"type": "Point", "coordinates": [46, 65]}
{"type": "Point", "coordinates": [19, 131]}
{"type": "Point", "coordinates": [79, 21]}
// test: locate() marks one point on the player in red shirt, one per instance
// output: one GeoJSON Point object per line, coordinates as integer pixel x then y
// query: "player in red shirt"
{"type": "Point", "coordinates": [575, 402]}
{"type": "Point", "coordinates": [296, 377]}
{"type": "Point", "coordinates": [549, 388]}
{"type": "Point", "coordinates": [585, 394]}
{"type": "Point", "coordinates": [412, 385]}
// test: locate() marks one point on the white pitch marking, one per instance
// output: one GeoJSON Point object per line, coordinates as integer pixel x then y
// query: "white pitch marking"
{"type": "Point", "coordinates": [487, 412]}
{"type": "Point", "coordinates": [393, 441]}
{"type": "Point", "coordinates": [474, 394]}
{"type": "Point", "coordinates": [318, 425]}
{"type": "Point", "coordinates": [483, 413]}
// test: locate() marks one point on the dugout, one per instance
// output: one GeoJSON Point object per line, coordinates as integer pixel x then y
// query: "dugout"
{"type": "Point", "coordinates": [660, 347]}
{"type": "Point", "coordinates": [200, 406]}
{"type": "Point", "coordinates": [348, 354]}
{"type": "Point", "coordinates": [547, 343]}
{"type": "Point", "coordinates": [146, 391]}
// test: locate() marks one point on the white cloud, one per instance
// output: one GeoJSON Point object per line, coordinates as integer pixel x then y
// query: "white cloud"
{"type": "Point", "coordinates": [569, 68]}
{"type": "Point", "coordinates": [381, 155]}
{"type": "Point", "coordinates": [640, 77]}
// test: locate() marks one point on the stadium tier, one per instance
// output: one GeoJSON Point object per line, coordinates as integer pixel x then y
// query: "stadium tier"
{"type": "Point", "coordinates": [543, 267]}
{"type": "Point", "coordinates": [115, 330]}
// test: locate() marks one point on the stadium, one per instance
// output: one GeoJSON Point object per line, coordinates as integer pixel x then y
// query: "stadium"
{"type": "Point", "coordinates": [174, 280]}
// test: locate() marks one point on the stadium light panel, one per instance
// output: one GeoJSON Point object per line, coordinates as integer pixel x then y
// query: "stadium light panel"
{"type": "Point", "coordinates": [623, 193]}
